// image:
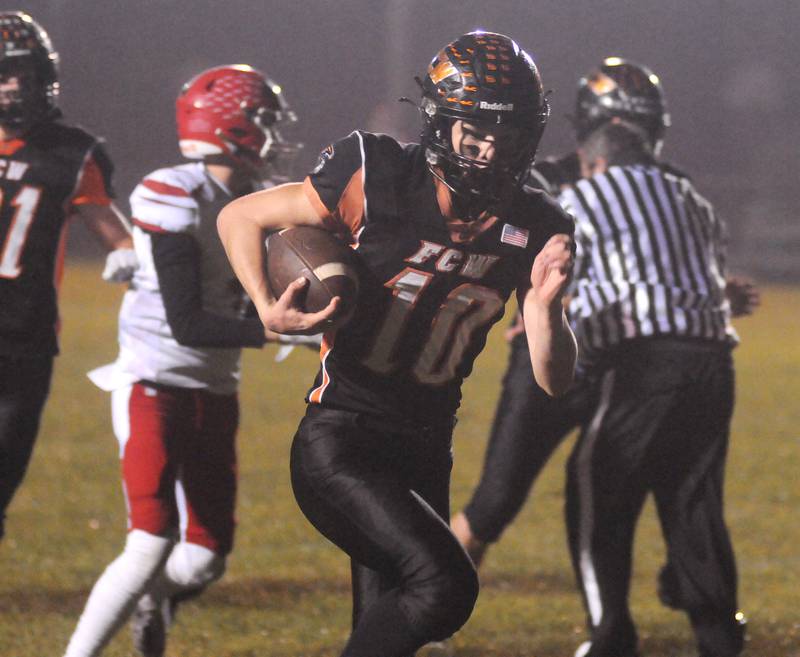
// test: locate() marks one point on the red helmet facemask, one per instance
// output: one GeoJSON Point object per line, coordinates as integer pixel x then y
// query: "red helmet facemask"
{"type": "Point", "coordinates": [233, 112]}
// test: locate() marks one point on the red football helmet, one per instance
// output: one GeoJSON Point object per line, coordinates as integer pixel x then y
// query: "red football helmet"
{"type": "Point", "coordinates": [234, 111]}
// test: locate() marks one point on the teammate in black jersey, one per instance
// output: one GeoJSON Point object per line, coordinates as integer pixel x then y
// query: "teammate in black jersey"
{"type": "Point", "coordinates": [49, 173]}
{"type": "Point", "coordinates": [445, 233]}
{"type": "Point", "coordinates": [528, 424]}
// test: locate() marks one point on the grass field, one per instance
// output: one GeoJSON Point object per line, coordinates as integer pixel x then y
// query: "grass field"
{"type": "Point", "coordinates": [286, 593]}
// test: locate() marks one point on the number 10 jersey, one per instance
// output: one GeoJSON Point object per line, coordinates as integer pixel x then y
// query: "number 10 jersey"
{"type": "Point", "coordinates": [428, 296]}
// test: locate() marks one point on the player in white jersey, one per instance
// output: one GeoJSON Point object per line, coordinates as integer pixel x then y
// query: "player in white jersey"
{"type": "Point", "coordinates": [174, 385]}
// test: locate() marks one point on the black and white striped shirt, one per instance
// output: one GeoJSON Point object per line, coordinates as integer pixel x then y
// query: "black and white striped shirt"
{"type": "Point", "coordinates": [650, 259]}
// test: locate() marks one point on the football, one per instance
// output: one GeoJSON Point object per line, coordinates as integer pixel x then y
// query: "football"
{"type": "Point", "coordinates": [318, 255]}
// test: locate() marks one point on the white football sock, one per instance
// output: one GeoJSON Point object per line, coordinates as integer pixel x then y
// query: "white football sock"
{"type": "Point", "coordinates": [189, 568]}
{"type": "Point", "coordinates": [192, 566]}
{"type": "Point", "coordinates": [115, 594]}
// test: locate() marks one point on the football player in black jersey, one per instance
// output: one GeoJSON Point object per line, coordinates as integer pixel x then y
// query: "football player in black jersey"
{"type": "Point", "coordinates": [528, 424]}
{"type": "Point", "coordinates": [49, 172]}
{"type": "Point", "coordinates": [445, 233]}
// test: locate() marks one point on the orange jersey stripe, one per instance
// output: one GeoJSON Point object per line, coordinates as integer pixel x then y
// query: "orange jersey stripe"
{"type": "Point", "coordinates": [91, 187]}
{"type": "Point", "coordinates": [315, 200]}
{"type": "Point", "coordinates": [349, 213]}
{"type": "Point", "coordinates": [315, 397]}
{"type": "Point", "coordinates": [10, 146]}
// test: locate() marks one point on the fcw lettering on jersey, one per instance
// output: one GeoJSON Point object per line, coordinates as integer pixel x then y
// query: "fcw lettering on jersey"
{"type": "Point", "coordinates": [472, 265]}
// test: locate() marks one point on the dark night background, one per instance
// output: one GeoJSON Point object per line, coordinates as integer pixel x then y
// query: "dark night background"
{"type": "Point", "coordinates": [730, 70]}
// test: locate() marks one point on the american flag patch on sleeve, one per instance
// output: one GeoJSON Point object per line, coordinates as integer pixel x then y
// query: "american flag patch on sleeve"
{"type": "Point", "coordinates": [515, 236]}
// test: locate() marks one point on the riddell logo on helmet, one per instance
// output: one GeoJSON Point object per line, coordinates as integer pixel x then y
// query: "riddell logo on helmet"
{"type": "Point", "coordinates": [502, 107]}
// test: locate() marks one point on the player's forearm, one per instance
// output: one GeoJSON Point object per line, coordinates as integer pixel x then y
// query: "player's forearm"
{"type": "Point", "coordinates": [243, 239]}
{"type": "Point", "coordinates": [243, 225]}
{"type": "Point", "coordinates": [551, 344]}
{"type": "Point", "coordinates": [108, 224]}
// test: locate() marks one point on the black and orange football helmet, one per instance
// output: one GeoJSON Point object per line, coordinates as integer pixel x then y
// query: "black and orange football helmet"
{"type": "Point", "coordinates": [621, 89]}
{"type": "Point", "coordinates": [484, 79]}
{"type": "Point", "coordinates": [28, 71]}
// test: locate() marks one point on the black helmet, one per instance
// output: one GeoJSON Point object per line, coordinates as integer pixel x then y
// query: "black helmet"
{"type": "Point", "coordinates": [620, 89]}
{"type": "Point", "coordinates": [25, 49]}
{"type": "Point", "coordinates": [484, 79]}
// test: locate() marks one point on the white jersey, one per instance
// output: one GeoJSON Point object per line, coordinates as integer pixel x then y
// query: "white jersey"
{"type": "Point", "coordinates": [180, 199]}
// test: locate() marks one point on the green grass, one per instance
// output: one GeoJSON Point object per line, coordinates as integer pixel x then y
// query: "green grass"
{"type": "Point", "coordinates": [286, 592]}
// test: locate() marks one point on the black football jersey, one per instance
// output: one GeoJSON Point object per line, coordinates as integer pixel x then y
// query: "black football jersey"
{"type": "Point", "coordinates": [42, 177]}
{"type": "Point", "coordinates": [427, 298]}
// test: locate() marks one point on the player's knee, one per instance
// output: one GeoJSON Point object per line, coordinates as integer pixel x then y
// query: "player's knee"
{"type": "Point", "coordinates": [194, 566]}
{"type": "Point", "coordinates": [443, 602]}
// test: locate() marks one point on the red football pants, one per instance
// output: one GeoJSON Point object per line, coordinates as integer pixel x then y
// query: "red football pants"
{"type": "Point", "coordinates": [178, 454]}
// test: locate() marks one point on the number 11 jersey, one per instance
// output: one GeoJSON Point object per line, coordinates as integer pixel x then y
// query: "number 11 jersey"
{"type": "Point", "coordinates": [431, 286]}
{"type": "Point", "coordinates": [43, 177]}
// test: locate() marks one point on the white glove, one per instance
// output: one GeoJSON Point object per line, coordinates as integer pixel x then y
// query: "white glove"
{"type": "Point", "coordinates": [120, 265]}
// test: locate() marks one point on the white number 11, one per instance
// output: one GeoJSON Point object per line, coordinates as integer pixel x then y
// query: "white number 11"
{"type": "Point", "coordinates": [25, 202]}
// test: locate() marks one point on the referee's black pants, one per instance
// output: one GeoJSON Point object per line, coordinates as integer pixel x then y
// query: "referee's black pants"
{"type": "Point", "coordinates": [528, 426]}
{"type": "Point", "coordinates": [24, 386]}
{"type": "Point", "coordinates": [661, 425]}
{"type": "Point", "coordinates": [380, 491]}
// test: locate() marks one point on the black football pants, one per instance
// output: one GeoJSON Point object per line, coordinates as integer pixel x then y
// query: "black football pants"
{"type": "Point", "coordinates": [24, 386]}
{"type": "Point", "coordinates": [528, 426]}
{"type": "Point", "coordinates": [380, 491]}
{"type": "Point", "coordinates": [661, 426]}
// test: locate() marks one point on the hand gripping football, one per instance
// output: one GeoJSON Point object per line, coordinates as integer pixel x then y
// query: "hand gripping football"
{"type": "Point", "coordinates": [319, 256]}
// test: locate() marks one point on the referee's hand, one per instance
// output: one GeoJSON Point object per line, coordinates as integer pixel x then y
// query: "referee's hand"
{"type": "Point", "coordinates": [552, 269]}
{"type": "Point", "coordinates": [743, 296]}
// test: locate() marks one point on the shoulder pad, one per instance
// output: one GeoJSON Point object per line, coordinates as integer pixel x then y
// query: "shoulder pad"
{"type": "Point", "coordinates": [166, 198]}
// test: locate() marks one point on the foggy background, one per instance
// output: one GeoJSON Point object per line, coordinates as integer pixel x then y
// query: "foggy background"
{"type": "Point", "coordinates": [730, 71]}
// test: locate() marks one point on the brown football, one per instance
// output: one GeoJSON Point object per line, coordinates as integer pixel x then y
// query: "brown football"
{"type": "Point", "coordinates": [319, 256]}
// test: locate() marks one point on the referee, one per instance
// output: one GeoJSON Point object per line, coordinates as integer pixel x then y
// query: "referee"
{"type": "Point", "coordinates": [528, 424]}
{"type": "Point", "coordinates": [651, 317]}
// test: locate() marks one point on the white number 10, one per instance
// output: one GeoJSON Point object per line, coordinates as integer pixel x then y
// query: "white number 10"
{"type": "Point", "coordinates": [25, 202]}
